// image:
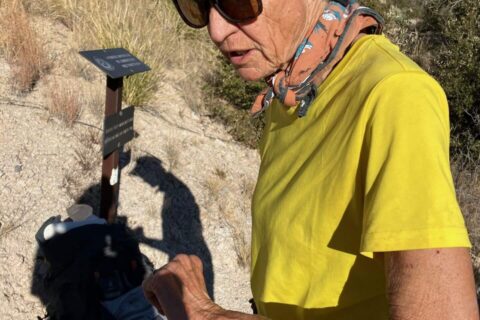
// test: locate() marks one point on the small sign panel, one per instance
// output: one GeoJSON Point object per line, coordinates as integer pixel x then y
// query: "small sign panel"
{"type": "Point", "coordinates": [116, 63]}
{"type": "Point", "coordinates": [118, 130]}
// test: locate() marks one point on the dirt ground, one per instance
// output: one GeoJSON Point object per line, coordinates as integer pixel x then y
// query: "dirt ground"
{"type": "Point", "coordinates": [183, 177]}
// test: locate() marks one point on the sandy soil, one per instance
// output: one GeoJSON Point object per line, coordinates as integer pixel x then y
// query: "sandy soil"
{"type": "Point", "coordinates": [184, 178]}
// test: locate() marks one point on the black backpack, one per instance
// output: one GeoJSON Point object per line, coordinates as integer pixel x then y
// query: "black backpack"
{"type": "Point", "coordinates": [87, 265]}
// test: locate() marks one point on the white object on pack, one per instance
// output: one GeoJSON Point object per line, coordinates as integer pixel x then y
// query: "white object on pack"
{"type": "Point", "coordinates": [81, 215]}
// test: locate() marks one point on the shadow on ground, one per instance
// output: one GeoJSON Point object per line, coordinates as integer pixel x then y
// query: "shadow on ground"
{"type": "Point", "coordinates": [180, 215]}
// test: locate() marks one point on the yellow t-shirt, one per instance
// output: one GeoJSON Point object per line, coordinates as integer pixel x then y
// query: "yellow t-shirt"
{"type": "Point", "coordinates": [367, 170]}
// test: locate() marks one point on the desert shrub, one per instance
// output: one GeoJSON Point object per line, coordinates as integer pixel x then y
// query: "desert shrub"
{"type": "Point", "coordinates": [238, 122]}
{"type": "Point", "coordinates": [230, 100]}
{"type": "Point", "coordinates": [224, 82]}
{"type": "Point", "coordinates": [451, 30]}
{"type": "Point", "coordinates": [59, 10]}
{"type": "Point", "coordinates": [443, 36]}
{"type": "Point", "coordinates": [128, 24]}
{"type": "Point", "coordinates": [20, 46]}
{"type": "Point", "coordinates": [148, 29]}
{"type": "Point", "coordinates": [63, 103]}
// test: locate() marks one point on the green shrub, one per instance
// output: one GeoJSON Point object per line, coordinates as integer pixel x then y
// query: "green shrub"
{"type": "Point", "coordinates": [227, 84]}
{"type": "Point", "coordinates": [443, 36]}
{"type": "Point", "coordinates": [238, 122]}
{"type": "Point", "coordinates": [452, 33]}
{"type": "Point", "coordinates": [230, 100]}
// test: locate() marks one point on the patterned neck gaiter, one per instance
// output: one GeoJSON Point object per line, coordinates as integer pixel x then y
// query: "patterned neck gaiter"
{"type": "Point", "coordinates": [317, 55]}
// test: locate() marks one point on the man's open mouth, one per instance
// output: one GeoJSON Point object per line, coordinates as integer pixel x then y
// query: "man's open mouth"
{"type": "Point", "coordinates": [238, 53]}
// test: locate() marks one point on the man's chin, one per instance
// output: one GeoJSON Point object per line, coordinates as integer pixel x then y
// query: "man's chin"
{"type": "Point", "coordinates": [251, 74]}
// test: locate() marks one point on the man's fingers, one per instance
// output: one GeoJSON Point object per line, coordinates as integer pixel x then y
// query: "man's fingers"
{"type": "Point", "coordinates": [189, 268]}
{"type": "Point", "coordinates": [183, 266]}
{"type": "Point", "coordinates": [149, 292]}
{"type": "Point", "coordinates": [178, 288]}
{"type": "Point", "coordinates": [170, 293]}
{"type": "Point", "coordinates": [184, 261]}
{"type": "Point", "coordinates": [181, 270]}
{"type": "Point", "coordinates": [152, 298]}
{"type": "Point", "coordinates": [163, 289]}
{"type": "Point", "coordinates": [197, 263]}
{"type": "Point", "coordinates": [198, 266]}
{"type": "Point", "coordinates": [190, 263]}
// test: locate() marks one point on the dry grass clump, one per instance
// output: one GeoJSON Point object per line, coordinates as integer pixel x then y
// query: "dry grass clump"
{"type": "Point", "coordinates": [219, 172]}
{"type": "Point", "coordinates": [247, 187]}
{"type": "Point", "coordinates": [91, 138]}
{"type": "Point", "coordinates": [59, 10]}
{"type": "Point", "coordinates": [96, 102]}
{"type": "Point", "coordinates": [86, 159]}
{"type": "Point", "coordinates": [172, 153]}
{"type": "Point", "coordinates": [70, 184]}
{"type": "Point", "coordinates": [20, 46]}
{"type": "Point", "coordinates": [214, 186]}
{"type": "Point", "coordinates": [150, 30]}
{"type": "Point", "coordinates": [63, 103]}
{"type": "Point", "coordinates": [10, 221]}
{"type": "Point", "coordinates": [236, 226]}
{"type": "Point", "coordinates": [80, 67]}
{"type": "Point", "coordinates": [129, 24]}
{"type": "Point", "coordinates": [87, 155]}
{"type": "Point", "coordinates": [241, 246]}
{"type": "Point", "coordinates": [190, 89]}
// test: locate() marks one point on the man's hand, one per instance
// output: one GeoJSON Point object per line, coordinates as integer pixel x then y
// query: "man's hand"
{"type": "Point", "coordinates": [433, 284]}
{"type": "Point", "coordinates": [178, 290]}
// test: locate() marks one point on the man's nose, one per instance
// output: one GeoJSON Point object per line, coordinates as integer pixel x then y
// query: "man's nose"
{"type": "Point", "coordinates": [218, 27]}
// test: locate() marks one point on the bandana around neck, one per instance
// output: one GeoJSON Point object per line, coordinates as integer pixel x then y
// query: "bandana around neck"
{"type": "Point", "coordinates": [338, 27]}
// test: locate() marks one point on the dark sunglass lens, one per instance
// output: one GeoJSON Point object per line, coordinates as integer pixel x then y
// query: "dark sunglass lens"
{"type": "Point", "coordinates": [195, 12]}
{"type": "Point", "coordinates": [240, 10]}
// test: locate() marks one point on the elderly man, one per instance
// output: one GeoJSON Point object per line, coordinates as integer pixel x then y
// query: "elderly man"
{"type": "Point", "coordinates": [354, 212]}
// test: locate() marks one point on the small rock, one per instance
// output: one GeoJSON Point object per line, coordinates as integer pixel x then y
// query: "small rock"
{"type": "Point", "coordinates": [18, 168]}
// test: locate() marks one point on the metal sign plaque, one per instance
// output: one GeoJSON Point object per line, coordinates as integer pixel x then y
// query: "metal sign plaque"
{"type": "Point", "coordinates": [116, 63]}
{"type": "Point", "coordinates": [118, 130]}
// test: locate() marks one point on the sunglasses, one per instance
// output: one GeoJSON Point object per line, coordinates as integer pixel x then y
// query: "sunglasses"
{"type": "Point", "coordinates": [195, 12]}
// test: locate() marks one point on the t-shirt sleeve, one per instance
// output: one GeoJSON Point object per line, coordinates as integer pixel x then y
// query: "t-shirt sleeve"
{"type": "Point", "coordinates": [409, 200]}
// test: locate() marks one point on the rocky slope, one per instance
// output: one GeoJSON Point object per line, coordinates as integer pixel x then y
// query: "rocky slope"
{"type": "Point", "coordinates": [184, 178]}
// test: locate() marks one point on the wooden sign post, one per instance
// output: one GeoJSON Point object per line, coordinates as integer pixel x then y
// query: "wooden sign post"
{"type": "Point", "coordinates": [118, 124]}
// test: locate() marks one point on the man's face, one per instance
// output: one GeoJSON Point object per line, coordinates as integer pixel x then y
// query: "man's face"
{"type": "Point", "coordinates": [257, 49]}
